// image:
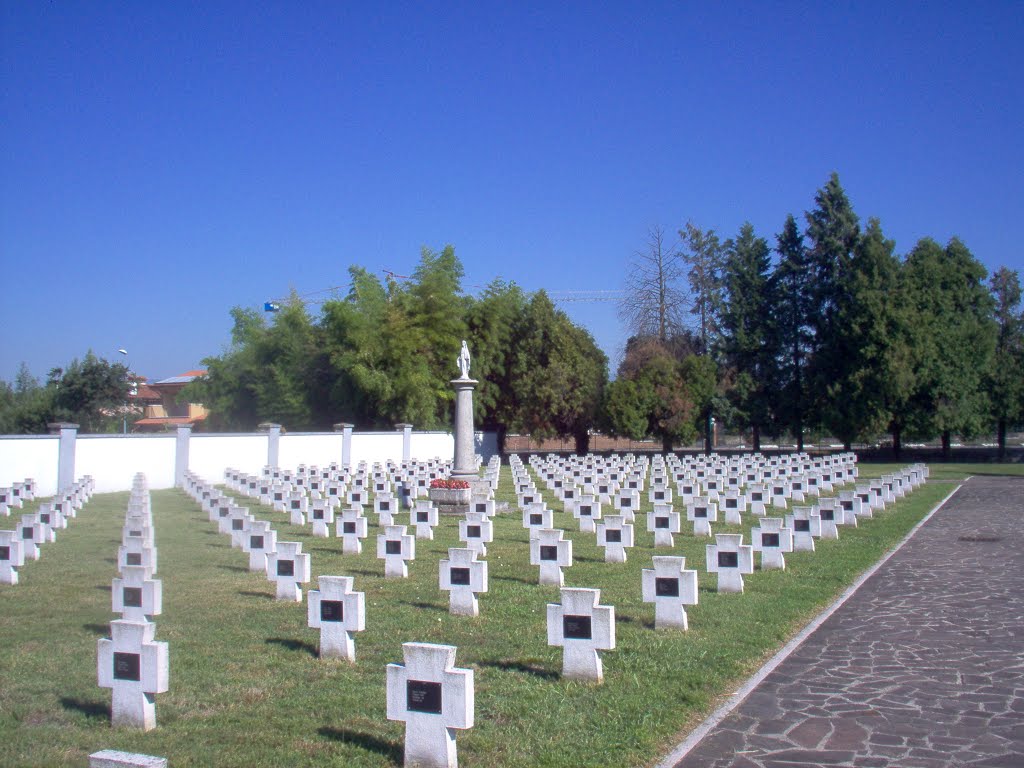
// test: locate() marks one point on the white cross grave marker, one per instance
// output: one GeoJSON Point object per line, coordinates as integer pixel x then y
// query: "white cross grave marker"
{"type": "Point", "coordinates": [337, 612]}
{"type": "Point", "coordinates": [806, 527]}
{"type": "Point", "coordinates": [463, 576]}
{"type": "Point", "coordinates": [394, 547]}
{"type": "Point", "coordinates": [587, 510]}
{"type": "Point", "coordinates": [425, 517]}
{"type": "Point", "coordinates": [552, 553]}
{"type": "Point", "coordinates": [702, 512]}
{"type": "Point", "coordinates": [772, 540]}
{"type": "Point", "coordinates": [433, 698]}
{"type": "Point", "coordinates": [670, 587]}
{"type": "Point", "coordinates": [135, 595]}
{"type": "Point", "coordinates": [136, 668]}
{"type": "Point", "coordinates": [260, 540]}
{"type": "Point", "coordinates": [581, 628]}
{"type": "Point", "coordinates": [476, 531]}
{"type": "Point", "coordinates": [288, 567]}
{"type": "Point", "coordinates": [11, 556]}
{"type": "Point", "coordinates": [663, 521]}
{"type": "Point", "coordinates": [730, 558]}
{"type": "Point", "coordinates": [615, 535]}
{"type": "Point", "coordinates": [351, 527]}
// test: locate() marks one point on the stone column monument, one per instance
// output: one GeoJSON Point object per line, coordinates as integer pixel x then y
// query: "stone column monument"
{"type": "Point", "coordinates": [464, 466]}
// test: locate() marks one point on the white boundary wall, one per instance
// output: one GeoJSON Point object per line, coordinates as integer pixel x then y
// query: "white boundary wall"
{"type": "Point", "coordinates": [113, 460]}
{"type": "Point", "coordinates": [32, 456]}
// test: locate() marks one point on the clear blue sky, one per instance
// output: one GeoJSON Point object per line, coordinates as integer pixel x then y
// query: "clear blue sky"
{"type": "Point", "coordinates": [163, 162]}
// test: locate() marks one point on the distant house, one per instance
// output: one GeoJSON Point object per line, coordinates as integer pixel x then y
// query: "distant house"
{"type": "Point", "coordinates": [161, 409]}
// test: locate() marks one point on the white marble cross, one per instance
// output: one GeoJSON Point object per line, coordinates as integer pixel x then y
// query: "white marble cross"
{"type": "Point", "coordinates": [627, 503]}
{"type": "Point", "coordinates": [321, 515]}
{"type": "Point", "coordinates": [136, 668]}
{"type": "Point", "coordinates": [772, 540]}
{"type": "Point", "coordinates": [394, 547]}
{"type": "Point", "coordinates": [260, 541]}
{"type": "Point", "coordinates": [757, 496]}
{"type": "Point", "coordinates": [806, 527]}
{"type": "Point", "coordinates": [482, 506]}
{"type": "Point", "coordinates": [850, 506]}
{"type": "Point", "coordinates": [663, 521]}
{"type": "Point", "coordinates": [385, 506]}
{"type": "Point", "coordinates": [588, 511]}
{"type": "Point", "coordinates": [288, 567]}
{"type": "Point", "coordinates": [730, 558]}
{"type": "Point", "coordinates": [615, 535]}
{"type": "Point", "coordinates": [425, 517]}
{"type": "Point", "coordinates": [33, 533]}
{"type": "Point", "coordinates": [297, 504]}
{"type": "Point", "coordinates": [552, 553]}
{"type": "Point", "coordinates": [135, 552]}
{"type": "Point", "coordinates": [351, 528]}
{"type": "Point", "coordinates": [238, 526]}
{"type": "Point", "coordinates": [671, 588]}
{"type": "Point", "coordinates": [828, 512]}
{"type": "Point", "coordinates": [463, 576]}
{"type": "Point", "coordinates": [476, 531]}
{"type": "Point", "coordinates": [581, 628]}
{"type": "Point", "coordinates": [11, 556]}
{"type": "Point", "coordinates": [433, 698]}
{"type": "Point", "coordinates": [537, 517]}
{"type": "Point", "coordinates": [660, 494]}
{"type": "Point", "coordinates": [702, 512]}
{"type": "Point", "coordinates": [732, 504]}
{"type": "Point", "coordinates": [135, 595]}
{"type": "Point", "coordinates": [337, 612]}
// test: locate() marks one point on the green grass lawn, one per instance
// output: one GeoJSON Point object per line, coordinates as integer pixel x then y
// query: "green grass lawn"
{"type": "Point", "coordinates": [247, 689]}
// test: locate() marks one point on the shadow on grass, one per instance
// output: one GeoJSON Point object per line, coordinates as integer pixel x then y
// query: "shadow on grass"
{"type": "Point", "coordinates": [526, 669]}
{"type": "Point", "coordinates": [293, 645]}
{"type": "Point", "coordinates": [91, 709]}
{"type": "Point", "coordinates": [111, 560]}
{"type": "Point", "coordinates": [326, 550]}
{"type": "Point", "coordinates": [514, 578]}
{"type": "Point", "coordinates": [249, 593]}
{"type": "Point", "coordinates": [431, 606]}
{"type": "Point", "coordinates": [103, 587]}
{"type": "Point", "coordinates": [97, 629]}
{"type": "Point", "coordinates": [235, 568]}
{"type": "Point", "coordinates": [388, 749]}
{"type": "Point", "coordinates": [589, 559]}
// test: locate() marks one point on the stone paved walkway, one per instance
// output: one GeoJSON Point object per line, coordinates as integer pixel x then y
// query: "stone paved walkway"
{"type": "Point", "coordinates": [923, 667]}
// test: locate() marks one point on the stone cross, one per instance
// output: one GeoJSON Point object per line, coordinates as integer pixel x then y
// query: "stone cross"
{"type": "Point", "coordinates": [587, 510]}
{"type": "Point", "coordinates": [670, 587]}
{"type": "Point", "coordinates": [433, 698]}
{"type": "Point", "coordinates": [627, 503]}
{"type": "Point", "coordinates": [482, 506]}
{"type": "Point", "coordinates": [463, 576]}
{"type": "Point", "coordinates": [663, 521]}
{"type": "Point", "coordinates": [288, 567]}
{"type": "Point", "coordinates": [33, 533]}
{"type": "Point", "coordinates": [297, 505]}
{"type": "Point", "coordinates": [135, 595]}
{"type": "Point", "coordinates": [6, 502]}
{"type": "Point", "coordinates": [425, 517]}
{"type": "Point", "coordinates": [772, 540]}
{"type": "Point", "coordinates": [850, 506]}
{"type": "Point", "coordinates": [552, 553]}
{"type": "Point", "coordinates": [537, 517]}
{"type": "Point", "coordinates": [394, 547]}
{"type": "Point", "coordinates": [732, 504]}
{"type": "Point", "coordinates": [136, 668]}
{"type": "Point", "coordinates": [828, 512]}
{"type": "Point", "coordinates": [11, 556]}
{"type": "Point", "coordinates": [238, 526]}
{"type": "Point", "coordinates": [351, 528]}
{"type": "Point", "coordinates": [581, 628]}
{"type": "Point", "coordinates": [702, 512]}
{"type": "Point", "coordinates": [806, 527]}
{"type": "Point", "coordinates": [757, 495]}
{"type": "Point", "coordinates": [659, 494]}
{"type": "Point", "coordinates": [385, 506]}
{"type": "Point", "coordinates": [321, 514]}
{"type": "Point", "coordinates": [615, 535]}
{"type": "Point", "coordinates": [337, 612]}
{"type": "Point", "coordinates": [730, 558]}
{"type": "Point", "coordinates": [476, 531]}
{"type": "Point", "coordinates": [260, 541]}
{"type": "Point", "coordinates": [135, 552]}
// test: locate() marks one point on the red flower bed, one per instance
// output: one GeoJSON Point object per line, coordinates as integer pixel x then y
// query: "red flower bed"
{"type": "Point", "coordinates": [450, 485]}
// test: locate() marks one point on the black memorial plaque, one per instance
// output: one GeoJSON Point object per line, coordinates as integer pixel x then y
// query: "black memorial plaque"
{"type": "Point", "coordinates": [732, 503]}
{"type": "Point", "coordinates": [5, 553]}
{"type": "Point", "coordinates": [128, 666]}
{"type": "Point", "coordinates": [626, 502]}
{"type": "Point", "coordinates": [133, 558]}
{"type": "Point", "coordinates": [318, 514]}
{"type": "Point", "coordinates": [770, 540]}
{"type": "Point", "coordinates": [536, 519]}
{"type": "Point", "coordinates": [385, 506]}
{"type": "Point", "coordinates": [700, 512]}
{"type": "Point", "coordinates": [422, 517]}
{"type": "Point", "coordinates": [613, 536]}
{"type": "Point", "coordinates": [348, 527]}
{"type": "Point", "coordinates": [278, 497]}
{"type": "Point", "coordinates": [131, 597]}
{"type": "Point", "coordinates": [255, 542]}
{"type": "Point", "coordinates": [423, 696]}
{"type": "Point", "coordinates": [285, 567]}
{"type": "Point", "coordinates": [659, 495]}
{"type": "Point", "coordinates": [661, 522]}
{"type": "Point", "coordinates": [757, 496]}
{"type": "Point", "coordinates": [584, 510]}
{"type": "Point", "coordinates": [332, 610]}
{"type": "Point", "coordinates": [728, 559]}
{"type": "Point", "coordinates": [135, 533]}
{"type": "Point", "coordinates": [237, 524]}
{"type": "Point", "coordinates": [827, 515]}
{"type": "Point", "coordinates": [576, 628]}
{"type": "Point", "coordinates": [548, 553]}
{"type": "Point", "coordinates": [296, 504]}
{"type": "Point", "coordinates": [666, 587]}
{"type": "Point", "coordinates": [846, 505]}
{"type": "Point", "coordinates": [528, 499]}
{"type": "Point", "coordinates": [459, 577]}
{"type": "Point", "coordinates": [224, 511]}
{"type": "Point", "coordinates": [45, 518]}
{"type": "Point", "coordinates": [392, 547]}
{"type": "Point", "coordinates": [472, 531]}
{"type": "Point", "coordinates": [28, 533]}
{"type": "Point", "coordinates": [481, 507]}
{"type": "Point", "coordinates": [802, 526]}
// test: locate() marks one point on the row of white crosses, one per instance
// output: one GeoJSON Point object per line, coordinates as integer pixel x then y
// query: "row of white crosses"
{"type": "Point", "coordinates": [15, 496]}
{"type": "Point", "coordinates": [37, 529]}
{"type": "Point", "coordinates": [131, 663]}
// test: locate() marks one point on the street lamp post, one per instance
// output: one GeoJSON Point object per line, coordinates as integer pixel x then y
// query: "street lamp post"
{"type": "Point", "coordinates": [124, 413]}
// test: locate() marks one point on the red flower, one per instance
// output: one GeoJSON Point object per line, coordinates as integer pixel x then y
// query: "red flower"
{"type": "Point", "coordinates": [449, 485]}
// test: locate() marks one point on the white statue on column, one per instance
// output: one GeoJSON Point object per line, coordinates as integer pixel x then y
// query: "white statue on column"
{"type": "Point", "coordinates": [463, 361]}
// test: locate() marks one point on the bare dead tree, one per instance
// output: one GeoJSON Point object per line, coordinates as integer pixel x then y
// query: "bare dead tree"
{"type": "Point", "coordinates": [655, 295]}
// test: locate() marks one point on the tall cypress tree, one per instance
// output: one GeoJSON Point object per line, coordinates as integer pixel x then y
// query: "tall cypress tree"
{"type": "Point", "coordinates": [1005, 380]}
